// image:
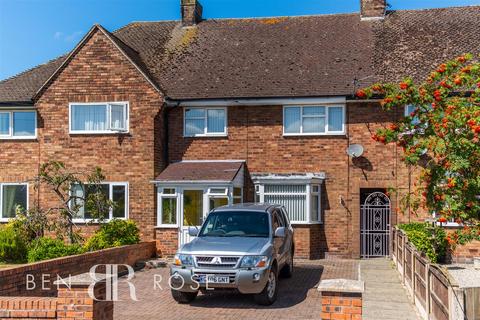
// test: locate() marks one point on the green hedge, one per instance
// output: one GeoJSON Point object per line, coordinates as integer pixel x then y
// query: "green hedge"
{"type": "Point", "coordinates": [114, 234]}
{"type": "Point", "coordinates": [48, 248]}
{"type": "Point", "coordinates": [431, 240]}
{"type": "Point", "coordinates": [13, 247]}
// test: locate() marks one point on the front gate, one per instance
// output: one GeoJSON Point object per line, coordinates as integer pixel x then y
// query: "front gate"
{"type": "Point", "coordinates": [375, 226]}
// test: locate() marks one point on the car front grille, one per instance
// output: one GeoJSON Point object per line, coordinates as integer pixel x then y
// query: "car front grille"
{"type": "Point", "coordinates": [216, 262]}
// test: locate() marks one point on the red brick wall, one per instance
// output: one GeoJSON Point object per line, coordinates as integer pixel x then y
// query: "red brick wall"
{"type": "Point", "coordinates": [336, 305]}
{"type": "Point", "coordinates": [255, 135]}
{"type": "Point", "coordinates": [97, 73]}
{"type": "Point", "coordinates": [167, 243]}
{"type": "Point", "coordinates": [465, 253]}
{"type": "Point", "coordinates": [28, 308]}
{"type": "Point", "coordinates": [14, 281]}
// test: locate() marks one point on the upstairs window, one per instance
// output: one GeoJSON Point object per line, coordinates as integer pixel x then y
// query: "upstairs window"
{"type": "Point", "coordinates": [314, 120]}
{"type": "Point", "coordinates": [18, 124]}
{"type": "Point", "coordinates": [12, 195]}
{"type": "Point", "coordinates": [205, 122]}
{"type": "Point", "coordinates": [99, 117]}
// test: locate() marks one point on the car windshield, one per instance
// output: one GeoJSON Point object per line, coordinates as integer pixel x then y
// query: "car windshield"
{"type": "Point", "coordinates": [236, 224]}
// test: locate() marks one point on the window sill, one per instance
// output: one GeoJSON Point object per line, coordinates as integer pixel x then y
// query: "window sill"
{"type": "Point", "coordinates": [94, 221]}
{"type": "Point", "coordinates": [167, 226]}
{"type": "Point", "coordinates": [314, 134]}
{"type": "Point", "coordinates": [99, 132]}
{"type": "Point", "coordinates": [223, 135]}
{"type": "Point", "coordinates": [305, 223]}
{"type": "Point", "coordinates": [18, 138]}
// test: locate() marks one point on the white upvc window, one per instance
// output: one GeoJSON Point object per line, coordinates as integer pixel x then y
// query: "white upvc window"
{"type": "Point", "coordinates": [99, 118]}
{"type": "Point", "coordinates": [12, 195]}
{"type": "Point", "coordinates": [301, 201]}
{"type": "Point", "coordinates": [167, 207]}
{"type": "Point", "coordinates": [314, 120]}
{"type": "Point", "coordinates": [18, 124]}
{"type": "Point", "coordinates": [117, 192]}
{"type": "Point", "coordinates": [202, 122]}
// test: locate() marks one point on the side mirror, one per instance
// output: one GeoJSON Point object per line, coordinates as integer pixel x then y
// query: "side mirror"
{"type": "Point", "coordinates": [192, 231]}
{"type": "Point", "coordinates": [280, 232]}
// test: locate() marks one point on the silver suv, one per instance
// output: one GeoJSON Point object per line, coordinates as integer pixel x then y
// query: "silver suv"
{"type": "Point", "coordinates": [243, 247]}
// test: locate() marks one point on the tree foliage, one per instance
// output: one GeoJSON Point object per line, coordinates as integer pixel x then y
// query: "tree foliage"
{"type": "Point", "coordinates": [441, 136]}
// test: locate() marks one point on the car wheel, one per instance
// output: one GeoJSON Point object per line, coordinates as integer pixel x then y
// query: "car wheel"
{"type": "Point", "coordinates": [269, 293]}
{"type": "Point", "coordinates": [184, 297]}
{"type": "Point", "coordinates": [287, 270]}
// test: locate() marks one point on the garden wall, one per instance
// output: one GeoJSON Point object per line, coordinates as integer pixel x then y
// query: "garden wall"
{"type": "Point", "coordinates": [465, 253]}
{"type": "Point", "coordinates": [13, 282]}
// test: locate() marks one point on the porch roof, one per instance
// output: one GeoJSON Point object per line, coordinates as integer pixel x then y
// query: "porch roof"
{"type": "Point", "coordinates": [201, 172]}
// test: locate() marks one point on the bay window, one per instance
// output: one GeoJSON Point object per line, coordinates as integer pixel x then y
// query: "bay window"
{"type": "Point", "coordinates": [116, 192]}
{"type": "Point", "coordinates": [99, 117]}
{"type": "Point", "coordinates": [301, 201]}
{"type": "Point", "coordinates": [12, 195]}
{"type": "Point", "coordinates": [205, 122]}
{"type": "Point", "coordinates": [18, 124]}
{"type": "Point", "coordinates": [313, 120]}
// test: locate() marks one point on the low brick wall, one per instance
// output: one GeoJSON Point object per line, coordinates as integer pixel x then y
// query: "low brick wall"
{"type": "Point", "coordinates": [466, 253]}
{"type": "Point", "coordinates": [336, 305]}
{"type": "Point", "coordinates": [72, 303]}
{"type": "Point", "coordinates": [341, 299]}
{"type": "Point", "coordinates": [13, 282]}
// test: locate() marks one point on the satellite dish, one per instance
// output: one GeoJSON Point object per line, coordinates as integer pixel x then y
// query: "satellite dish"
{"type": "Point", "coordinates": [355, 150]}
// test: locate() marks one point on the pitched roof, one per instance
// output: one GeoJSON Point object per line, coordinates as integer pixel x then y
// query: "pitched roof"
{"type": "Point", "coordinates": [324, 55]}
{"type": "Point", "coordinates": [188, 171]}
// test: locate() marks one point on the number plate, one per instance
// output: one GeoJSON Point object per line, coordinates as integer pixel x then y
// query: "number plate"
{"type": "Point", "coordinates": [214, 279]}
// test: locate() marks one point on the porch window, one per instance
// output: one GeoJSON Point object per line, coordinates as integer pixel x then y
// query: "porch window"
{"type": "Point", "coordinates": [237, 195]}
{"type": "Point", "coordinates": [313, 120]}
{"type": "Point", "coordinates": [217, 197]}
{"type": "Point", "coordinates": [168, 207]}
{"type": "Point", "coordinates": [98, 117]}
{"type": "Point", "coordinates": [302, 201]}
{"type": "Point", "coordinates": [18, 124]}
{"type": "Point", "coordinates": [116, 192]}
{"type": "Point", "coordinates": [12, 195]}
{"type": "Point", "coordinates": [205, 122]}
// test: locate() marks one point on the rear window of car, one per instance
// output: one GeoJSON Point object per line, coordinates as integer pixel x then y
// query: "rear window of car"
{"type": "Point", "coordinates": [236, 224]}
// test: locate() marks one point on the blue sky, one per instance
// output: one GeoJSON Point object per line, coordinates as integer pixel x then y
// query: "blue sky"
{"type": "Point", "coordinates": [35, 31]}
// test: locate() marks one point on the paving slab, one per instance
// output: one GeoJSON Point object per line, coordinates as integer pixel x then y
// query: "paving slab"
{"type": "Point", "coordinates": [384, 297]}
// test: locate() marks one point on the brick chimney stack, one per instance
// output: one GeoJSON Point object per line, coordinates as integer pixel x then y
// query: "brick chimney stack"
{"type": "Point", "coordinates": [372, 9]}
{"type": "Point", "coordinates": [191, 12]}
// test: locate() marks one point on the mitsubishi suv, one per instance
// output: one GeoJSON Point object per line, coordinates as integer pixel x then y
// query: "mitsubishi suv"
{"type": "Point", "coordinates": [244, 247]}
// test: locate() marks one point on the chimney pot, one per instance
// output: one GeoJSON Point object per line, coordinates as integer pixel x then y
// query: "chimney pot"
{"type": "Point", "coordinates": [191, 12]}
{"type": "Point", "coordinates": [372, 9]}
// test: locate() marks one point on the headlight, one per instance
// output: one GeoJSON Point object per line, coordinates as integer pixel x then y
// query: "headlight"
{"type": "Point", "coordinates": [254, 262]}
{"type": "Point", "coordinates": [183, 260]}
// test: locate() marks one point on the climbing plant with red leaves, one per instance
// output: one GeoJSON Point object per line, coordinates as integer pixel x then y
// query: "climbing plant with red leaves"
{"type": "Point", "coordinates": [441, 136]}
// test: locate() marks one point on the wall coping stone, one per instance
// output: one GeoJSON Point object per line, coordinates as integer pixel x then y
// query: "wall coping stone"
{"type": "Point", "coordinates": [341, 285]}
{"type": "Point", "coordinates": [83, 279]}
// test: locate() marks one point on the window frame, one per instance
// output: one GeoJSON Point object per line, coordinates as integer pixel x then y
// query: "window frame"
{"type": "Point", "coordinates": [10, 135]}
{"type": "Point", "coordinates": [326, 116]}
{"type": "Point", "coordinates": [108, 111]}
{"type": "Point", "coordinates": [2, 219]}
{"type": "Point", "coordinates": [110, 197]}
{"type": "Point", "coordinates": [260, 193]}
{"type": "Point", "coordinates": [205, 123]}
{"type": "Point", "coordinates": [160, 196]}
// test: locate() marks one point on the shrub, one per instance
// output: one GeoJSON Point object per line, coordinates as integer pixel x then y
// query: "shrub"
{"type": "Point", "coordinates": [48, 248]}
{"type": "Point", "coordinates": [431, 240]}
{"type": "Point", "coordinates": [113, 234]}
{"type": "Point", "coordinates": [12, 244]}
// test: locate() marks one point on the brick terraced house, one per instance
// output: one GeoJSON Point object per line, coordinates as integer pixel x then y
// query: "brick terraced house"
{"type": "Point", "coordinates": [184, 116]}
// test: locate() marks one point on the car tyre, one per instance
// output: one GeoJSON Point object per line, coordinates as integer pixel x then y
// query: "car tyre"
{"type": "Point", "coordinates": [184, 297]}
{"type": "Point", "coordinates": [269, 293]}
{"type": "Point", "coordinates": [287, 270]}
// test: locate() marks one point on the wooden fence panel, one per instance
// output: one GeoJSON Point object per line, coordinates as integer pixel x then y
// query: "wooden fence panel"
{"type": "Point", "coordinates": [438, 295]}
{"type": "Point", "coordinates": [420, 280]}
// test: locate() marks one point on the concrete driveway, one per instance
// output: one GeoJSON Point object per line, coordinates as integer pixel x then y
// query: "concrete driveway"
{"type": "Point", "coordinates": [297, 298]}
